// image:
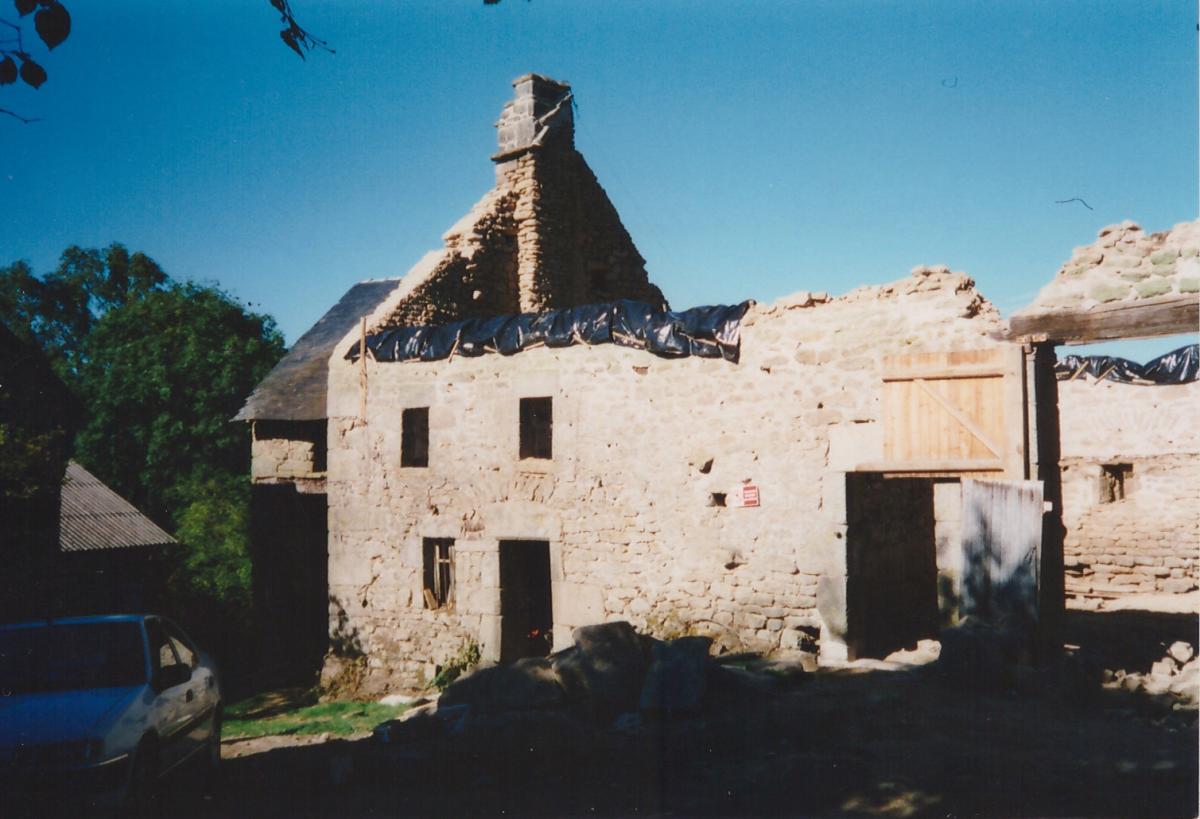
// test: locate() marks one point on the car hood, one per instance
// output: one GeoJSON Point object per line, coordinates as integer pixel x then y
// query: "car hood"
{"type": "Point", "coordinates": [60, 716]}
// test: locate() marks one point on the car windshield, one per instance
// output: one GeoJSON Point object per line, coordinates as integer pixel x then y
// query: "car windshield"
{"type": "Point", "coordinates": [67, 657]}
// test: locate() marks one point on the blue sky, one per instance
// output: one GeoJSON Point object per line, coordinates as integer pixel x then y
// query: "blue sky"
{"type": "Point", "coordinates": [752, 148]}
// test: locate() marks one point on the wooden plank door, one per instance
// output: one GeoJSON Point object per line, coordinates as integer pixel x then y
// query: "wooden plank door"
{"type": "Point", "coordinates": [1002, 550]}
{"type": "Point", "coordinates": [954, 413]}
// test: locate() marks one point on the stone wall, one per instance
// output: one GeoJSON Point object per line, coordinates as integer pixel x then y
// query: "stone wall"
{"type": "Point", "coordinates": [1149, 539]}
{"type": "Point", "coordinates": [287, 451]}
{"type": "Point", "coordinates": [546, 236]}
{"type": "Point", "coordinates": [643, 449]}
{"type": "Point", "coordinates": [1126, 264]}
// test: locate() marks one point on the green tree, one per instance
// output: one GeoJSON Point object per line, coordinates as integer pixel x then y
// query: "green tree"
{"type": "Point", "coordinates": [162, 377]}
{"type": "Point", "coordinates": [58, 311]}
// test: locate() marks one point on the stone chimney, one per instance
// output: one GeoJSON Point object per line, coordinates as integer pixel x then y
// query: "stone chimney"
{"type": "Point", "coordinates": [539, 115]}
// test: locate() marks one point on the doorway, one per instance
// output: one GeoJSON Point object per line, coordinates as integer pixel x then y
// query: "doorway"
{"type": "Point", "coordinates": [526, 618]}
{"type": "Point", "coordinates": [891, 564]}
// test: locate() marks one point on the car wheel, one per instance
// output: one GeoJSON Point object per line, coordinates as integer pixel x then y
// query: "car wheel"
{"type": "Point", "coordinates": [143, 780]}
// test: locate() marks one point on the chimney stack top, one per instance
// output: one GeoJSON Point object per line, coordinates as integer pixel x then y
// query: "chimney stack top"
{"type": "Point", "coordinates": [539, 114]}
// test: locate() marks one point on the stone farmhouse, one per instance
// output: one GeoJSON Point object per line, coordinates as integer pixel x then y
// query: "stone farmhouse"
{"type": "Point", "coordinates": [824, 494]}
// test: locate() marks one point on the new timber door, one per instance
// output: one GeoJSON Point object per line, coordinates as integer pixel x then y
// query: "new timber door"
{"type": "Point", "coordinates": [526, 619]}
{"type": "Point", "coordinates": [954, 413]}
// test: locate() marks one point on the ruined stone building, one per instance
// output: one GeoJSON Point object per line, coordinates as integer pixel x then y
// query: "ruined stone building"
{"type": "Point", "coordinates": [1130, 452]}
{"type": "Point", "coordinates": [806, 496]}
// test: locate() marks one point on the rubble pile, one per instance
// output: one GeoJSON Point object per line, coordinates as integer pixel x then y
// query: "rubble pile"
{"type": "Point", "coordinates": [612, 677]}
{"type": "Point", "coordinates": [1177, 674]}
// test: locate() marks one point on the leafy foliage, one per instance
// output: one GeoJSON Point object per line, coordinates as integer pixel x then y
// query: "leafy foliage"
{"type": "Point", "coordinates": [294, 35]}
{"type": "Point", "coordinates": [58, 312]}
{"type": "Point", "coordinates": [52, 24]}
{"type": "Point", "coordinates": [463, 660]}
{"type": "Point", "coordinates": [163, 376]}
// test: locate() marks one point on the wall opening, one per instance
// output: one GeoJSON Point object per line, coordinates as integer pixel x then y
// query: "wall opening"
{"type": "Point", "coordinates": [526, 617]}
{"type": "Point", "coordinates": [414, 437]}
{"type": "Point", "coordinates": [537, 428]}
{"type": "Point", "coordinates": [891, 564]}
{"type": "Point", "coordinates": [439, 572]}
{"type": "Point", "coordinates": [1115, 482]}
{"type": "Point", "coordinates": [290, 580]}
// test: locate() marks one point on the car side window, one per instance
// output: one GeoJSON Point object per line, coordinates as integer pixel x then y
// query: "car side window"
{"type": "Point", "coordinates": [161, 652]}
{"type": "Point", "coordinates": [186, 654]}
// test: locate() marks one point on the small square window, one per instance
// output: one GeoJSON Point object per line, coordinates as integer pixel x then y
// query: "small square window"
{"type": "Point", "coordinates": [414, 437]}
{"type": "Point", "coordinates": [1115, 482]}
{"type": "Point", "coordinates": [537, 428]}
{"type": "Point", "coordinates": [439, 572]}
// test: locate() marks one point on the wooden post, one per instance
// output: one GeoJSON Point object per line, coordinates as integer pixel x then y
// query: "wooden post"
{"type": "Point", "coordinates": [1049, 447]}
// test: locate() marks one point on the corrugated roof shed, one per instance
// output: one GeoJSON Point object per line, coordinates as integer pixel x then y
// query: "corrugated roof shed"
{"type": "Point", "coordinates": [93, 517]}
{"type": "Point", "coordinates": [295, 389]}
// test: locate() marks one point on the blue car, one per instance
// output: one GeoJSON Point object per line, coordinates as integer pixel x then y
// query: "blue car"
{"type": "Point", "coordinates": [99, 708]}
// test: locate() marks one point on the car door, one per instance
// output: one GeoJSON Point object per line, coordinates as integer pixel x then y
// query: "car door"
{"type": "Point", "coordinates": [200, 698]}
{"type": "Point", "coordinates": [170, 702]}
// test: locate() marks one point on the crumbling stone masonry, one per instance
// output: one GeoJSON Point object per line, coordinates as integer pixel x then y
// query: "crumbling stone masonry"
{"type": "Point", "coordinates": [1131, 481]}
{"type": "Point", "coordinates": [645, 450]}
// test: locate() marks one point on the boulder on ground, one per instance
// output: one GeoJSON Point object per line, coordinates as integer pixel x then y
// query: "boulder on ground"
{"type": "Point", "coordinates": [1181, 652]}
{"type": "Point", "coordinates": [604, 670]}
{"type": "Point", "coordinates": [528, 684]}
{"type": "Point", "coordinates": [677, 677]}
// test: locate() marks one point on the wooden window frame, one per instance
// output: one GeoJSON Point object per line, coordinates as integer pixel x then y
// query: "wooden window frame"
{"type": "Point", "coordinates": [438, 565]}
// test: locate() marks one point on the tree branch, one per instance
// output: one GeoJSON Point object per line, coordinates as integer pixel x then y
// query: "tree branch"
{"type": "Point", "coordinates": [25, 120]}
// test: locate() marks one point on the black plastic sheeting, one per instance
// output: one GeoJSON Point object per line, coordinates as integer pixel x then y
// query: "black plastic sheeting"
{"type": "Point", "coordinates": [705, 332]}
{"type": "Point", "coordinates": [1180, 366]}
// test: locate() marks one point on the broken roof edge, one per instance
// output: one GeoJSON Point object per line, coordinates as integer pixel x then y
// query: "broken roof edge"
{"type": "Point", "coordinates": [922, 279]}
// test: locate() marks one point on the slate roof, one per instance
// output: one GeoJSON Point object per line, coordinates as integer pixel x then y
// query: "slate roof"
{"type": "Point", "coordinates": [296, 389]}
{"type": "Point", "coordinates": [92, 517]}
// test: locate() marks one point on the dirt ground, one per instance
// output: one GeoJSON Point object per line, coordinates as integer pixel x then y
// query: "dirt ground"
{"type": "Point", "coordinates": [844, 742]}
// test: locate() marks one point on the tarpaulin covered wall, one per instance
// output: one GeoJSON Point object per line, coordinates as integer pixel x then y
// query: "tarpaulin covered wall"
{"type": "Point", "coordinates": [1180, 366]}
{"type": "Point", "coordinates": [706, 332]}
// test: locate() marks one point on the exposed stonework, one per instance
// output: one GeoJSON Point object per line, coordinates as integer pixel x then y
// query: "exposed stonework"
{"type": "Point", "coordinates": [1149, 540]}
{"type": "Point", "coordinates": [627, 504]}
{"type": "Point", "coordinates": [1126, 264]}
{"type": "Point", "coordinates": [545, 237]}
{"type": "Point", "coordinates": [288, 451]}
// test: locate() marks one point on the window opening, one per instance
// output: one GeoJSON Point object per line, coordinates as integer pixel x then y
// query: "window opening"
{"type": "Point", "coordinates": [439, 572]}
{"type": "Point", "coordinates": [414, 437]}
{"type": "Point", "coordinates": [537, 424]}
{"type": "Point", "coordinates": [1115, 482]}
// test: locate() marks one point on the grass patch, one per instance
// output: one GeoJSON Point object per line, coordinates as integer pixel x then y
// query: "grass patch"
{"type": "Point", "coordinates": [295, 711]}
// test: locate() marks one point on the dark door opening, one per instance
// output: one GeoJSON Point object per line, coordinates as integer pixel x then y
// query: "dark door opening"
{"type": "Point", "coordinates": [891, 564]}
{"type": "Point", "coordinates": [526, 621]}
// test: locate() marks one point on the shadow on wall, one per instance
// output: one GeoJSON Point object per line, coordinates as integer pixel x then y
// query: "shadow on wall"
{"type": "Point", "coordinates": [344, 641]}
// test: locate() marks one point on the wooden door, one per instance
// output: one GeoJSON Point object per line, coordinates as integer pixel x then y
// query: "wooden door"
{"type": "Point", "coordinates": [1002, 550]}
{"type": "Point", "coordinates": [956, 412]}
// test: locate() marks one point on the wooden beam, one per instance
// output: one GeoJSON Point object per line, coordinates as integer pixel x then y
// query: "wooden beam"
{"type": "Point", "coordinates": [1144, 318]}
{"type": "Point", "coordinates": [934, 465]}
{"type": "Point", "coordinates": [941, 374]}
